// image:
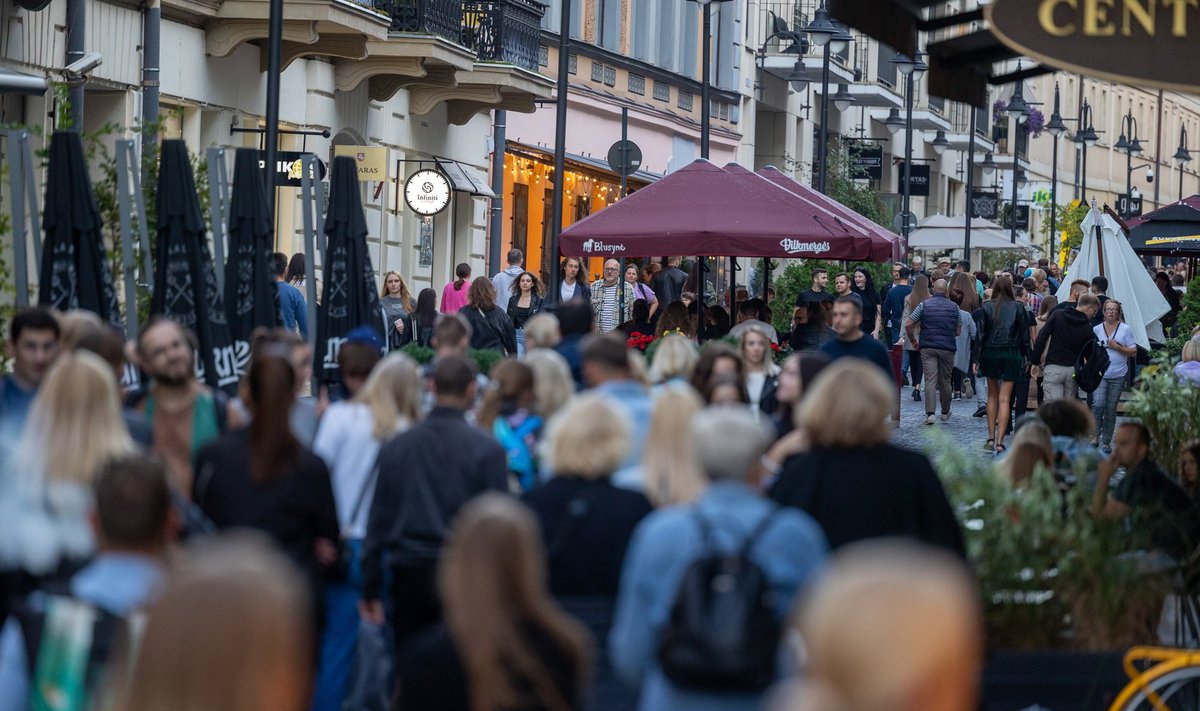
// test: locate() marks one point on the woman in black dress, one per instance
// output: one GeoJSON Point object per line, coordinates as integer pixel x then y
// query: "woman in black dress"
{"type": "Point", "coordinates": [864, 286]}
{"type": "Point", "coordinates": [422, 319]}
{"type": "Point", "coordinates": [261, 477]}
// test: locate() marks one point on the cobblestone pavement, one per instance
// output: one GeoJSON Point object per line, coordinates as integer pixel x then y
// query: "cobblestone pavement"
{"type": "Point", "coordinates": [913, 433]}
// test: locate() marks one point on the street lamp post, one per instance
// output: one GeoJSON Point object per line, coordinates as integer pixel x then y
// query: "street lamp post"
{"type": "Point", "coordinates": [970, 187]}
{"type": "Point", "coordinates": [1018, 109]}
{"type": "Point", "coordinates": [1085, 138]}
{"type": "Point", "coordinates": [1057, 128]}
{"type": "Point", "coordinates": [1131, 144]}
{"type": "Point", "coordinates": [912, 69]}
{"type": "Point", "coordinates": [1182, 156]}
{"type": "Point", "coordinates": [823, 33]}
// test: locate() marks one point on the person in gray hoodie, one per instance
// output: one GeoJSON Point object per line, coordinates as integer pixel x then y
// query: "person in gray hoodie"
{"type": "Point", "coordinates": [504, 280]}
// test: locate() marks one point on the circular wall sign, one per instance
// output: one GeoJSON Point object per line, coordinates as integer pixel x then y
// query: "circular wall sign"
{"type": "Point", "coordinates": [427, 192]}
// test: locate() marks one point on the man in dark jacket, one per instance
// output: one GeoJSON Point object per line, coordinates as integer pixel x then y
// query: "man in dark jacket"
{"type": "Point", "coordinates": [1061, 341]}
{"type": "Point", "coordinates": [668, 283]}
{"type": "Point", "coordinates": [424, 476]}
{"type": "Point", "coordinates": [940, 325]}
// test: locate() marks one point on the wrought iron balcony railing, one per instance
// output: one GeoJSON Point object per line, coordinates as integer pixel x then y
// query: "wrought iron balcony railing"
{"type": "Point", "coordinates": [496, 30]}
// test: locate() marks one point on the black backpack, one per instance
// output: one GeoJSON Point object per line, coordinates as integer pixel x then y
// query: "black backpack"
{"type": "Point", "coordinates": [723, 634]}
{"type": "Point", "coordinates": [1093, 360]}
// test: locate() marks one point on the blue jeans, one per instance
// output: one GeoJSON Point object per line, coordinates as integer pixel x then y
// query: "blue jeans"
{"type": "Point", "coordinates": [339, 639]}
{"type": "Point", "coordinates": [1104, 408]}
{"type": "Point", "coordinates": [520, 343]}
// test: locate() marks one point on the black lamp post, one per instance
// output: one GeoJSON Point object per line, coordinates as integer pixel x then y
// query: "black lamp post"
{"type": "Point", "coordinates": [1085, 137]}
{"type": "Point", "coordinates": [1018, 109]}
{"type": "Point", "coordinates": [1057, 127]}
{"type": "Point", "coordinates": [912, 70]}
{"type": "Point", "coordinates": [1131, 144]}
{"type": "Point", "coordinates": [1182, 156]}
{"type": "Point", "coordinates": [705, 76]}
{"type": "Point", "coordinates": [823, 33]}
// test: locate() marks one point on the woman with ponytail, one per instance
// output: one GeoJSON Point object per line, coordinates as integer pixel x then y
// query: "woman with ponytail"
{"type": "Point", "coordinates": [261, 477]}
{"type": "Point", "coordinates": [454, 295]}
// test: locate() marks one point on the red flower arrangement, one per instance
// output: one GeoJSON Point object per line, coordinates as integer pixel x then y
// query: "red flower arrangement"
{"type": "Point", "coordinates": [639, 341]}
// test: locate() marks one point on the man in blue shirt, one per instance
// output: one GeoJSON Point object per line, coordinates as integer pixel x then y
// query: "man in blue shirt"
{"type": "Point", "coordinates": [33, 345]}
{"type": "Point", "coordinates": [850, 342]}
{"type": "Point", "coordinates": [790, 549]}
{"type": "Point", "coordinates": [606, 371]}
{"type": "Point", "coordinates": [292, 307]}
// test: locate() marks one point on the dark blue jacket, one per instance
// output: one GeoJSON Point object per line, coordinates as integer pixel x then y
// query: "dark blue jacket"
{"type": "Point", "coordinates": [938, 317]}
{"type": "Point", "coordinates": [893, 306]}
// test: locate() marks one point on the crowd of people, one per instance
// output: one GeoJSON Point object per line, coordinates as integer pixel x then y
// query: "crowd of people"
{"type": "Point", "coordinates": [584, 527]}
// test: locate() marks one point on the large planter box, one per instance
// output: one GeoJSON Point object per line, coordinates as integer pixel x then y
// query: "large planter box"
{"type": "Point", "coordinates": [1059, 681]}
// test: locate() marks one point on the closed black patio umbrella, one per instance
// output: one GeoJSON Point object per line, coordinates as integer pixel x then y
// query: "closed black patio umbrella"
{"type": "Point", "coordinates": [185, 284]}
{"type": "Point", "coordinates": [251, 299]}
{"type": "Point", "coordinates": [75, 273]}
{"type": "Point", "coordinates": [349, 299]}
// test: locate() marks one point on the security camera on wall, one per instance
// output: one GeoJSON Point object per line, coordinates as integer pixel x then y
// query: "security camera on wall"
{"type": "Point", "coordinates": [1149, 175]}
{"type": "Point", "coordinates": [76, 73]}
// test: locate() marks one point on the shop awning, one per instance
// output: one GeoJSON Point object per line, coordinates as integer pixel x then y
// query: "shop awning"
{"type": "Point", "coordinates": [704, 210]}
{"type": "Point", "coordinates": [1171, 230]}
{"type": "Point", "coordinates": [597, 165]}
{"type": "Point", "coordinates": [465, 178]}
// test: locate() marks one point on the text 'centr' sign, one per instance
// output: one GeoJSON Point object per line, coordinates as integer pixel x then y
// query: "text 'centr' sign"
{"type": "Point", "coordinates": [1153, 42]}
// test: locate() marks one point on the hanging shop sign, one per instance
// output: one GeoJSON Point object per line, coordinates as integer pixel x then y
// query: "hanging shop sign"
{"type": "Point", "coordinates": [1136, 42]}
{"type": "Point", "coordinates": [427, 192]}
{"type": "Point", "coordinates": [866, 163]}
{"type": "Point", "coordinates": [371, 161]}
{"type": "Point", "coordinates": [288, 167]}
{"type": "Point", "coordinates": [985, 205]}
{"type": "Point", "coordinates": [918, 179]}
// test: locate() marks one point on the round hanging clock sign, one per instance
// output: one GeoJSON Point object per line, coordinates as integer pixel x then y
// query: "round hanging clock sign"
{"type": "Point", "coordinates": [427, 192]}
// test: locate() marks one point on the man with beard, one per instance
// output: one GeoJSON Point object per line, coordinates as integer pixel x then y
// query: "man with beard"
{"type": "Point", "coordinates": [183, 413]}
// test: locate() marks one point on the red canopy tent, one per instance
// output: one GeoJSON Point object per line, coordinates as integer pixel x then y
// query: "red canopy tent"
{"type": "Point", "coordinates": [894, 241]}
{"type": "Point", "coordinates": [704, 210]}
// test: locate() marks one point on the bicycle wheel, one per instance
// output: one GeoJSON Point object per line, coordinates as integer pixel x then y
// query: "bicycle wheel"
{"type": "Point", "coordinates": [1177, 690]}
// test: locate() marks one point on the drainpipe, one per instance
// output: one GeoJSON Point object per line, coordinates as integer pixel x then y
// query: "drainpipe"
{"type": "Point", "coordinates": [496, 228]}
{"type": "Point", "coordinates": [76, 47]}
{"type": "Point", "coordinates": [151, 51]}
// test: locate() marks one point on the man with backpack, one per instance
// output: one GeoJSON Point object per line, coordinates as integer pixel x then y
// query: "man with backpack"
{"type": "Point", "coordinates": [133, 522]}
{"type": "Point", "coordinates": [705, 588]}
{"type": "Point", "coordinates": [1061, 343]}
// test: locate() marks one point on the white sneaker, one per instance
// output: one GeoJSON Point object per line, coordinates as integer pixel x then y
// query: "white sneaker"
{"type": "Point", "coordinates": [929, 419]}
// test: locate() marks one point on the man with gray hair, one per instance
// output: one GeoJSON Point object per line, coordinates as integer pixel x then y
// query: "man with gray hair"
{"type": "Point", "coordinates": [608, 309]}
{"type": "Point", "coordinates": [786, 545]}
{"type": "Point", "coordinates": [940, 327]}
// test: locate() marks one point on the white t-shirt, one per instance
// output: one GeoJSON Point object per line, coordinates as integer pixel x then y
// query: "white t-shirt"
{"type": "Point", "coordinates": [566, 291]}
{"type": "Point", "coordinates": [1118, 363]}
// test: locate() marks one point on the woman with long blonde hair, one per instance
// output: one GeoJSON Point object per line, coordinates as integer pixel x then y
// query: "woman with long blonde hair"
{"type": "Point", "coordinates": [920, 292]}
{"type": "Point", "coordinates": [349, 438]}
{"type": "Point", "coordinates": [670, 473]}
{"type": "Point", "coordinates": [231, 631]}
{"type": "Point", "coordinates": [75, 427]}
{"type": "Point", "coordinates": [761, 371]}
{"type": "Point", "coordinates": [505, 644]}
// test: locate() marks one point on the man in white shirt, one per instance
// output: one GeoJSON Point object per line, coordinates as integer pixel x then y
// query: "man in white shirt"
{"type": "Point", "coordinates": [503, 281]}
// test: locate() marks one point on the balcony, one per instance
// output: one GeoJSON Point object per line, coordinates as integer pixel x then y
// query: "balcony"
{"type": "Point", "coordinates": [505, 31]}
{"type": "Point", "coordinates": [329, 28]}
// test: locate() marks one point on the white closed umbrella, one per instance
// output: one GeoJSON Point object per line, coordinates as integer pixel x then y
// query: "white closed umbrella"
{"type": "Point", "coordinates": [1128, 280]}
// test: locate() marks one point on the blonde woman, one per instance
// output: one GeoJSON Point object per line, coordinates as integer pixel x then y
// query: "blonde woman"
{"type": "Point", "coordinates": [348, 439]}
{"type": "Point", "coordinates": [1031, 445]}
{"type": "Point", "coordinates": [891, 625]}
{"type": "Point", "coordinates": [552, 383]}
{"type": "Point", "coordinates": [852, 480]}
{"type": "Point", "coordinates": [505, 644]}
{"type": "Point", "coordinates": [761, 371]}
{"type": "Point", "coordinates": [670, 474]}
{"type": "Point", "coordinates": [542, 331]}
{"type": "Point", "coordinates": [231, 631]}
{"type": "Point", "coordinates": [75, 427]}
{"type": "Point", "coordinates": [674, 360]}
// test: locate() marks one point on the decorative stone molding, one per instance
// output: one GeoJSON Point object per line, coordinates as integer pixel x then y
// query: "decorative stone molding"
{"type": "Point", "coordinates": [222, 37]}
{"type": "Point", "coordinates": [344, 46]}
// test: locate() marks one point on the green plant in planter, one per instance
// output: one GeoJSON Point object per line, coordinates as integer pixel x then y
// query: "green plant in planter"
{"type": "Point", "coordinates": [1050, 575]}
{"type": "Point", "coordinates": [1170, 408]}
{"type": "Point", "coordinates": [484, 359]}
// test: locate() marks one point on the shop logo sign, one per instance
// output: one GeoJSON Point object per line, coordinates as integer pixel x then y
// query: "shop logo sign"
{"type": "Point", "coordinates": [594, 246]}
{"type": "Point", "coordinates": [795, 246]}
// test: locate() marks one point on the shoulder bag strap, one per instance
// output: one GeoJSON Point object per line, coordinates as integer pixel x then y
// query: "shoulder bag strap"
{"type": "Point", "coordinates": [368, 485]}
